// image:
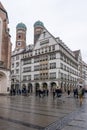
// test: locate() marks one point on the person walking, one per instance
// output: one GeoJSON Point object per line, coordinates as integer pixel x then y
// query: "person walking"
{"type": "Point", "coordinates": [75, 91]}
{"type": "Point", "coordinates": [80, 93]}
{"type": "Point", "coordinates": [54, 91]}
{"type": "Point", "coordinates": [68, 90]}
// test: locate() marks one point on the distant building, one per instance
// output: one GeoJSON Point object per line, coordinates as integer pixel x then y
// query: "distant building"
{"type": "Point", "coordinates": [45, 63]}
{"type": "Point", "coordinates": [5, 52]}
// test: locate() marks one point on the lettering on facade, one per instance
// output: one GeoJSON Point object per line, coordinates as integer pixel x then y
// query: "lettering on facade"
{"type": "Point", "coordinates": [44, 42]}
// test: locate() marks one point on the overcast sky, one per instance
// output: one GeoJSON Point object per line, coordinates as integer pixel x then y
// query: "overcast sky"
{"type": "Point", "coordinates": [66, 19]}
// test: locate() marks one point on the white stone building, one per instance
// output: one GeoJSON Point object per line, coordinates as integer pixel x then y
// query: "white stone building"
{"type": "Point", "coordinates": [45, 63]}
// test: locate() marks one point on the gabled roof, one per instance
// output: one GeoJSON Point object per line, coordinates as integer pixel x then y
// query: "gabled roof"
{"type": "Point", "coordinates": [2, 7]}
{"type": "Point", "coordinates": [76, 52]}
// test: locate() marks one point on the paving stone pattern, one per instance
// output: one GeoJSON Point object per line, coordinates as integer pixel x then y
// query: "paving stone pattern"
{"type": "Point", "coordinates": [34, 113]}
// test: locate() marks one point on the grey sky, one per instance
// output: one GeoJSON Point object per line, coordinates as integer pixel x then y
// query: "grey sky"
{"type": "Point", "coordinates": [66, 19]}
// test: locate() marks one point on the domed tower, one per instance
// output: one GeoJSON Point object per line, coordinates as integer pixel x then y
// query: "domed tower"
{"type": "Point", "coordinates": [20, 36]}
{"type": "Point", "coordinates": [38, 28]}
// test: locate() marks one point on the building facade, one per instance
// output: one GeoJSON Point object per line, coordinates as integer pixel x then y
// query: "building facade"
{"type": "Point", "coordinates": [5, 52]}
{"type": "Point", "coordinates": [45, 63]}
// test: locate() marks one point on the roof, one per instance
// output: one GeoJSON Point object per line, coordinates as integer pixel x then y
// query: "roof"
{"type": "Point", "coordinates": [76, 52]}
{"type": "Point", "coordinates": [21, 26]}
{"type": "Point", "coordinates": [2, 7]}
{"type": "Point", "coordinates": [38, 23]}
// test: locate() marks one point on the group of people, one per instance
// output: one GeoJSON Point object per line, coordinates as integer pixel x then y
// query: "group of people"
{"type": "Point", "coordinates": [57, 91]}
{"type": "Point", "coordinates": [42, 91]}
{"type": "Point", "coordinates": [78, 92]}
{"type": "Point", "coordinates": [23, 92]}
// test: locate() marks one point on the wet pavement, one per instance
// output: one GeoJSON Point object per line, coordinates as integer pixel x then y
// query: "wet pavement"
{"type": "Point", "coordinates": [34, 113]}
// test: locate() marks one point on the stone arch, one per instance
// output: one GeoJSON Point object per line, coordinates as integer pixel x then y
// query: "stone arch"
{"type": "Point", "coordinates": [30, 87]}
{"type": "Point", "coordinates": [37, 85]}
{"type": "Point", "coordinates": [52, 84]}
{"type": "Point", "coordinates": [23, 86]}
{"type": "Point", "coordinates": [45, 85]}
{"type": "Point", "coordinates": [3, 83]}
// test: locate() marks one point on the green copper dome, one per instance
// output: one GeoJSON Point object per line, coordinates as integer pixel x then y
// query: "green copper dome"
{"type": "Point", "coordinates": [38, 23]}
{"type": "Point", "coordinates": [21, 26]}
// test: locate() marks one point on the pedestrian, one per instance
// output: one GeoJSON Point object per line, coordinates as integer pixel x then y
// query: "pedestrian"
{"type": "Point", "coordinates": [54, 91]}
{"type": "Point", "coordinates": [80, 93]}
{"type": "Point", "coordinates": [68, 91]}
{"type": "Point", "coordinates": [75, 91]}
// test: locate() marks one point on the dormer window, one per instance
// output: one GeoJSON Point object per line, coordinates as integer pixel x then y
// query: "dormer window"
{"type": "Point", "coordinates": [44, 34]}
{"type": "Point", "coordinates": [53, 47]}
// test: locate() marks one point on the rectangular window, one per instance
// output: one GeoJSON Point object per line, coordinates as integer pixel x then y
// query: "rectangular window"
{"type": "Point", "coordinates": [52, 65]}
{"type": "Point", "coordinates": [36, 77]}
{"type": "Point", "coordinates": [17, 71]}
{"type": "Point", "coordinates": [53, 75]}
{"type": "Point", "coordinates": [17, 57]}
{"type": "Point", "coordinates": [26, 77]}
{"type": "Point", "coordinates": [52, 56]}
{"type": "Point", "coordinates": [27, 69]}
{"type": "Point", "coordinates": [27, 62]}
{"type": "Point", "coordinates": [36, 68]}
{"type": "Point", "coordinates": [12, 65]}
{"type": "Point", "coordinates": [17, 64]}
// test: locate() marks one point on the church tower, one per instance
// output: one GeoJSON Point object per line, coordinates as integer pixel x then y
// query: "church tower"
{"type": "Point", "coordinates": [5, 51]}
{"type": "Point", "coordinates": [38, 28]}
{"type": "Point", "coordinates": [20, 36]}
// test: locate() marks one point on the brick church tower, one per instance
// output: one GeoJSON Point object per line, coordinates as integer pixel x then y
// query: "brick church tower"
{"type": "Point", "coordinates": [38, 28]}
{"type": "Point", "coordinates": [20, 36]}
{"type": "Point", "coordinates": [5, 52]}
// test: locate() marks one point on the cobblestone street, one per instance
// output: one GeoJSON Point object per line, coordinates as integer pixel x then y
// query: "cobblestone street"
{"type": "Point", "coordinates": [34, 113]}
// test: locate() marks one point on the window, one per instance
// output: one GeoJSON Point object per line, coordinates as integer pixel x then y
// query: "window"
{"type": "Point", "coordinates": [18, 43]}
{"type": "Point", "coordinates": [27, 62]}
{"type": "Point", "coordinates": [19, 36]}
{"type": "Point", "coordinates": [12, 72]}
{"type": "Point", "coordinates": [36, 77]}
{"type": "Point", "coordinates": [43, 76]}
{"type": "Point", "coordinates": [53, 75]}
{"type": "Point", "coordinates": [64, 67]}
{"type": "Point", "coordinates": [46, 49]}
{"type": "Point", "coordinates": [27, 69]}
{"type": "Point", "coordinates": [36, 59]}
{"type": "Point", "coordinates": [12, 65]}
{"type": "Point", "coordinates": [24, 77]}
{"type": "Point", "coordinates": [17, 71]}
{"type": "Point", "coordinates": [17, 57]}
{"type": "Point", "coordinates": [53, 47]}
{"type": "Point", "coordinates": [52, 65]}
{"type": "Point", "coordinates": [44, 33]}
{"type": "Point", "coordinates": [36, 68]}
{"type": "Point", "coordinates": [27, 77]}
{"type": "Point", "coordinates": [52, 56]}
{"type": "Point", "coordinates": [17, 64]}
{"type": "Point", "coordinates": [49, 48]}
{"type": "Point", "coordinates": [61, 66]}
